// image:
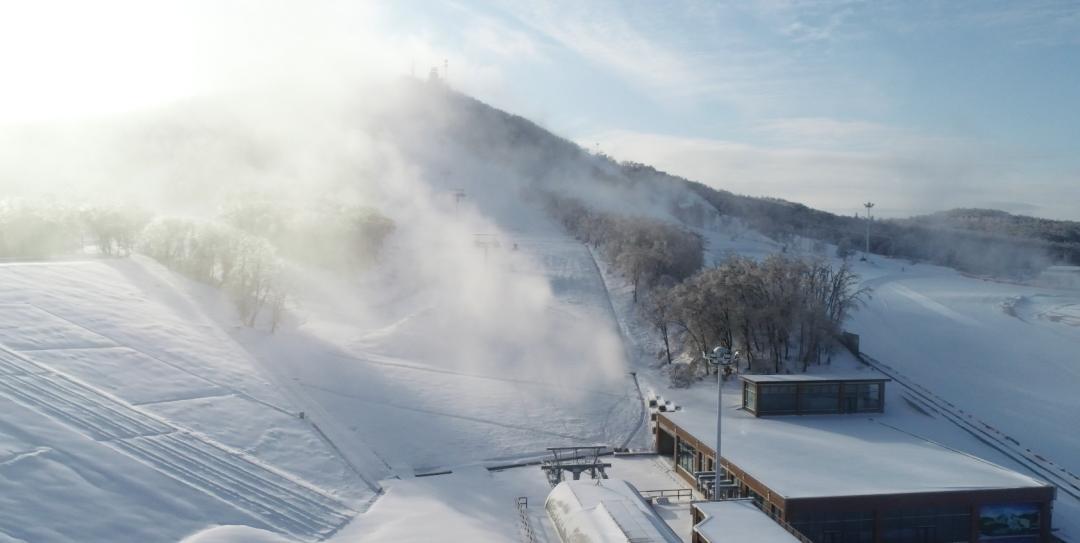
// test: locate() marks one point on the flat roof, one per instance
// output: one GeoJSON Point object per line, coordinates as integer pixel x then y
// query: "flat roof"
{"type": "Point", "coordinates": [813, 377]}
{"type": "Point", "coordinates": [739, 521]}
{"type": "Point", "coordinates": [829, 456]}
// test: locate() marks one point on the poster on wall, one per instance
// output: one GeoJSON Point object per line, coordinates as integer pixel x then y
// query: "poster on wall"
{"type": "Point", "coordinates": [1009, 523]}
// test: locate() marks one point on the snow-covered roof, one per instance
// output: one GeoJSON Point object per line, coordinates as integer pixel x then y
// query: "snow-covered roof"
{"type": "Point", "coordinates": [605, 510]}
{"type": "Point", "coordinates": [821, 456]}
{"type": "Point", "coordinates": [814, 377]}
{"type": "Point", "coordinates": [739, 521]}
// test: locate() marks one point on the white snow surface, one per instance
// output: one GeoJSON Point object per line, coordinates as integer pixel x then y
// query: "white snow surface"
{"type": "Point", "coordinates": [461, 363]}
{"type": "Point", "coordinates": [234, 534]}
{"type": "Point", "coordinates": [97, 361]}
{"type": "Point", "coordinates": [146, 374]}
{"type": "Point", "coordinates": [604, 510]}
{"type": "Point", "coordinates": [840, 455]}
{"type": "Point", "coordinates": [739, 521]}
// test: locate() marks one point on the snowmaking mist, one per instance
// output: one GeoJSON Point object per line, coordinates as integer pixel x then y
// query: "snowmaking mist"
{"type": "Point", "coordinates": [417, 286]}
{"type": "Point", "coordinates": [474, 279]}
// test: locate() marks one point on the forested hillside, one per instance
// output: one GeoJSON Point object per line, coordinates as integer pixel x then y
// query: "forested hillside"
{"type": "Point", "coordinates": [975, 241]}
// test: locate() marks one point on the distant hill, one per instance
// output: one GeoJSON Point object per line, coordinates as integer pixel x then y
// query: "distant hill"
{"type": "Point", "coordinates": [992, 221]}
{"type": "Point", "coordinates": [972, 240]}
{"type": "Point", "coordinates": [978, 241]}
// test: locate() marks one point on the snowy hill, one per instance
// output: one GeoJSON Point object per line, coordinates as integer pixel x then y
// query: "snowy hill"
{"type": "Point", "coordinates": [483, 335]}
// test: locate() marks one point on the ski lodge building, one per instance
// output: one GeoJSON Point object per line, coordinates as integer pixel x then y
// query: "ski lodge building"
{"type": "Point", "coordinates": [844, 479]}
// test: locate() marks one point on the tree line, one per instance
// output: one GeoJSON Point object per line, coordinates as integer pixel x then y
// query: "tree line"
{"type": "Point", "coordinates": [245, 266]}
{"type": "Point", "coordinates": [778, 309]}
{"type": "Point", "coordinates": [326, 234]}
{"type": "Point", "coordinates": [245, 251]}
{"type": "Point", "coordinates": [646, 251]}
{"type": "Point", "coordinates": [30, 229]}
{"type": "Point", "coordinates": [1016, 247]}
{"type": "Point", "coordinates": [774, 311]}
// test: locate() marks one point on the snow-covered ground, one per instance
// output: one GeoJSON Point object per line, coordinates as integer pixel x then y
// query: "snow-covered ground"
{"type": "Point", "coordinates": [130, 415]}
{"type": "Point", "coordinates": [126, 386]}
{"type": "Point", "coordinates": [1003, 352]}
{"type": "Point", "coordinates": [125, 370]}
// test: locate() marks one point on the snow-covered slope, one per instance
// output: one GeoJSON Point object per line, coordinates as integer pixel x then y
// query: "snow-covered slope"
{"type": "Point", "coordinates": [991, 348]}
{"type": "Point", "coordinates": [119, 393]}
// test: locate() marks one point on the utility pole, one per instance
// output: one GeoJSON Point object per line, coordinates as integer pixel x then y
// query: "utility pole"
{"type": "Point", "coordinates": [868, 205]}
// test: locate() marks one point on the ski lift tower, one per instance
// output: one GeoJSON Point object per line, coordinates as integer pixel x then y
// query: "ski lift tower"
{"type": "Point", "coordinates": [486, 242]}
{"type": "Point", "coordinates": [722, 358]}
{"type": "Point", "coordinates": [576, 460]}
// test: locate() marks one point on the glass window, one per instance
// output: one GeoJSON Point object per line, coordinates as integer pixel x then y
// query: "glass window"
{"type": "Point", "coordinates": [685, 456]}
{"type": "Point", "coordinates": [869, 396]}
{"type": "Point", "coordinates": [820, 398]}
{"type": "Point", "coordinates": [749, 397]}
{"type": "Point", "coordinates": [777, 398]}
{"type": "Point", "coordinates": [928, 524]}
{"type": "Point", "coordinates": [844, 527]}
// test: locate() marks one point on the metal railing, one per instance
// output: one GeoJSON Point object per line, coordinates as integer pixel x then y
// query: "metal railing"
{"type": "Point", "coordinates": [527, 534]}
{"type": "Point", "coordinates": [669, 493]}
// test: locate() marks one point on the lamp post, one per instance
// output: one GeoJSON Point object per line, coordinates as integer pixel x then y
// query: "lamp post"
{"type": "Point", "coordinates": [721, 358]}
{"type": "Point", "coordinates": [868, 206]}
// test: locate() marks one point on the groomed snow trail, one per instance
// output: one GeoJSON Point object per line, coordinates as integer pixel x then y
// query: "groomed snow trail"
{"type": "Point", "coordinates": [280, 501]}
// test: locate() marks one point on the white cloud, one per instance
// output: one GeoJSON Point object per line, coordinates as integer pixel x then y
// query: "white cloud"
{"type": "Point", "coordinates": [644, 45]}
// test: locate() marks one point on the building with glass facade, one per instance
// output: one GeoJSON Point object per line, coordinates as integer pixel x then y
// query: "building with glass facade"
{"type": "Point", "coordinates": [768, 395]}
{"type": "Point", "coordinates": [847, 479]}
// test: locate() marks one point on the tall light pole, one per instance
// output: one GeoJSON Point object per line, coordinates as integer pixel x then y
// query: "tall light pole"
{"type": "Point", "coordinates": [721, 358]}
{"type": "Point", "coordinates": [868, 205]}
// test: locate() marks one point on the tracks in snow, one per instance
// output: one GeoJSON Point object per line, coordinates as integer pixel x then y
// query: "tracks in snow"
{"type": "Point", "coordinates": [282, 502]}
{"type": "Point", "coordinates": [1061, 477]}
{"type": "Point", "coordinates": [628, 344]}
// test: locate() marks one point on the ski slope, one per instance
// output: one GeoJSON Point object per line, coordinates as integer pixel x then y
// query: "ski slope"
{"type": "Point", "coordinates": [432, 383]}
{"type": "Point", "coordinates": [95, 356]}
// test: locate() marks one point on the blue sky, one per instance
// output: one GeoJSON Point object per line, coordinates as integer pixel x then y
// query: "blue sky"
{"type": "Point", "coordinates": [918, 106]}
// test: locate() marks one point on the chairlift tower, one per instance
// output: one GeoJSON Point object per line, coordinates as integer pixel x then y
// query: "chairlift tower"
{"type": "Point", "coordinates": [575, 460]}
{"type": "Point", "coordinates": [486, 242]}
{"type": "Point", "coordinates": [459, 195]}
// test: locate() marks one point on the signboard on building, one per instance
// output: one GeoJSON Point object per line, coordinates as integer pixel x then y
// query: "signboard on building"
{"type": "Point", "coordinates": [1009, 523]}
